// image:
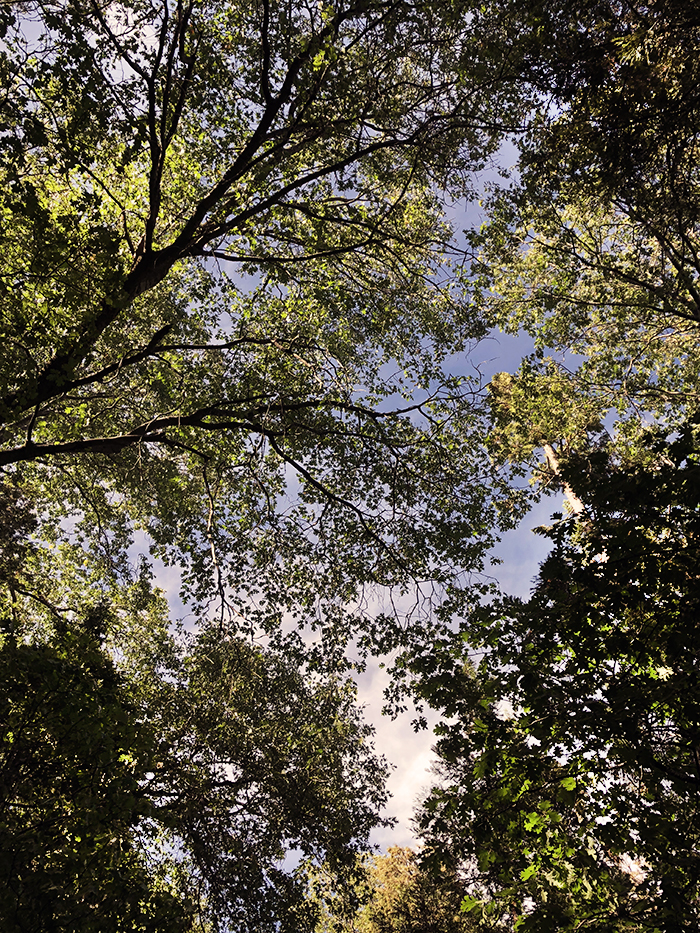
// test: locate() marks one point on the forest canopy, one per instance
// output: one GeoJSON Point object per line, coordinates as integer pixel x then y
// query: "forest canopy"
{"type": "Point", "coordinates": [236, 328]}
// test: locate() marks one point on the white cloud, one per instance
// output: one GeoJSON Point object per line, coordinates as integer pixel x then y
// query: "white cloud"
{"type": "Point", "coordinates": [408, 751]}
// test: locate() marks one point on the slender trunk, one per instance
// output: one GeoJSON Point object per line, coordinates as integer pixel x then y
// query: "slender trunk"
{"type": "Point", "coordinates": [575, 504]}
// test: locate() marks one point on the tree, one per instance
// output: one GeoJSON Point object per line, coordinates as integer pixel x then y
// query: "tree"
{"type": "Point", "coordinates": [594, 252]}
{"type": "Point", "coordinates": [227, 304]}
{"type": "Point", "coordinates": [150, 782]}
{"type": "Point", "coordinates": [168, 798]}
{"type": "Point", "coordinates": [395, 894]}
{"type": "Point", "coordinates": [625, 128]}
{"type": "Point", "coordinates": [225, 274]}
{"type": "Point", "coordinates": [73, 759]}
{"type": "Point", "coordinates": [571, 777]}
{"type": "Point", "coordinates": [407, 898]}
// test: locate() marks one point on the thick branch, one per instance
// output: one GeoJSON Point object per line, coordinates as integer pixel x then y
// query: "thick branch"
{"type": "Point", "coordinates": [153, 431]}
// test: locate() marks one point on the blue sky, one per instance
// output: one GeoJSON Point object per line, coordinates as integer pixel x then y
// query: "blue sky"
{"type": "Point", "coordinates": [520, 553]}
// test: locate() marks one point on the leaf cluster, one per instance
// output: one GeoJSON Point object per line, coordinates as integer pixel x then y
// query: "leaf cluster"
{"type": "Point", "coordinates": [570, 778]}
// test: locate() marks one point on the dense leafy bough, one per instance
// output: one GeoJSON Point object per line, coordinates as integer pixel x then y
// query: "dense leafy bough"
{"type": "Point", "coordinates": [226, 306]}
{"type": "Point", "coordinates": [228, 312]}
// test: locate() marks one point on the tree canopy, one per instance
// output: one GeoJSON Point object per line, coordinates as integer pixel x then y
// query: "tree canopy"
{"type": "Point", "coordinates": [392, 893]}
{"type": "Point", "coordinates": [571, 774]}
{"type": "Point", "coordinates": [568, 763]}
{"type": "Point", "coordinates": [235, 324]}
{"type": "Point", "coordinates": [226, 270]}
{"type": "Point", "coordinates": [168, 796]}
{"type": "Point", "coordinates": [227, 302]}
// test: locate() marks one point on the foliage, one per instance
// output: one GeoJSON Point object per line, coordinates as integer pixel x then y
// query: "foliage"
{"type": "Point", "coordinates": [225, 267]}
{"type": "Point", "coordinates": [407, 899]}
{"type": "Point", "coordinates": [393, 893]}
{"type": "Point", "coordinates": [594, 250]}
{"type": "Point", "coordinates": [571, 777]}
{"type": "Point", "coordinates": [569, 771]}
{"type": "Point", "coordinates": [171, 799]}
{"type": "Point", "coordinates": [229, 311]}
{"type": "Point", "coordinates": [624, 78]}
{"type": "Point", "coordinates": [225, 272]}
{"type": "Point", "coordinates": [265, 762]}
{"type": "Point", "coordinates": [72, 765]}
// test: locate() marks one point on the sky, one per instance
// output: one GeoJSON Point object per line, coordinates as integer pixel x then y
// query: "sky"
{"type": "Point", "coordinates": [520, 552]}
